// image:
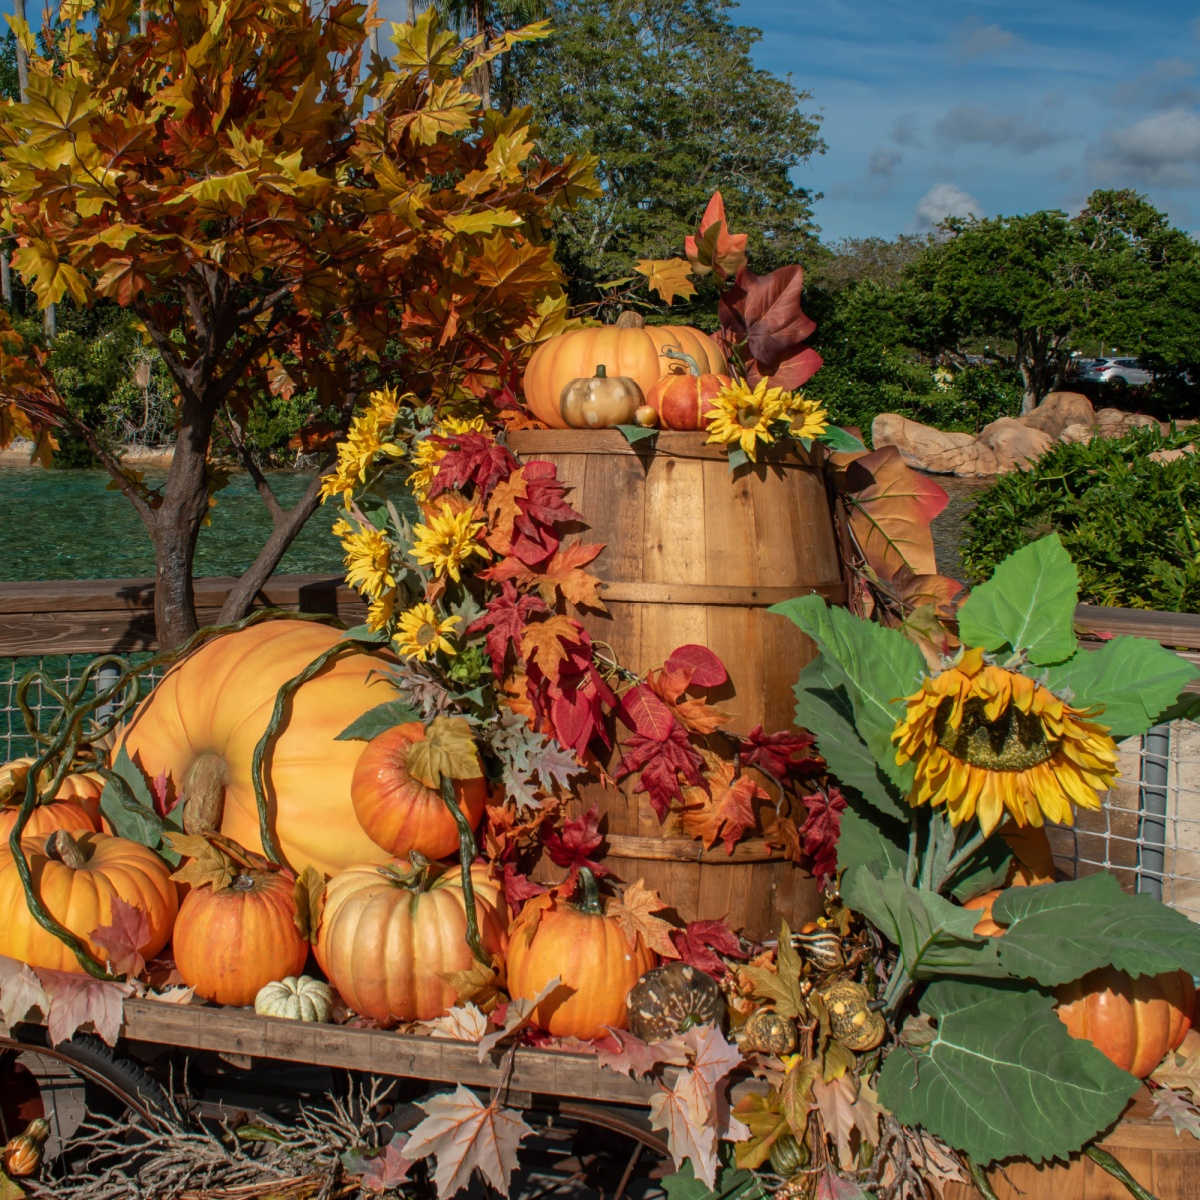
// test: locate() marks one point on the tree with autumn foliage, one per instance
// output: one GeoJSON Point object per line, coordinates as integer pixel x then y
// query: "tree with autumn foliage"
{"type": "Point", "coordinates": [286, 214]}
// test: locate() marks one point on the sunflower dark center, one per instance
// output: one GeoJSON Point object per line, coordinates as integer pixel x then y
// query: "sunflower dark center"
{"type": "Point", "coordinates": [1014, 741]}
{"type": "Point", "coordinates": [426, 635]}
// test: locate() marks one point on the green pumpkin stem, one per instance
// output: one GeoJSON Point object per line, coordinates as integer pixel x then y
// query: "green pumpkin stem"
{"type": "Point", "coordinates": [683, 357]}
{"type": "Point", "coordinates": [587, 894]}
{"type": "Point", "coordinates": [466, 854]}
{"type": "Point", "coordinates": [601, 371]}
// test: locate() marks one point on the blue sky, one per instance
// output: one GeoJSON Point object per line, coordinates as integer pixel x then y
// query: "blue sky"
{"type": "Point", "coordinates": [935, 108]}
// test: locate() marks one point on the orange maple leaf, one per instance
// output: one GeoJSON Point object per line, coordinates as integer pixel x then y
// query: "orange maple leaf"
{"type": "Point", "coordinates": [694, 714]}
{"type": "Point", "coordinates": [547, 642]}
{"type": "Point", "coordinates": [669, 277]}
{"type": "Point", "coordinates": [633, 912]}
{"type": "Point", "coordinates": [502, 512]}
{"type": "Point", "coordinates": [726, 811]}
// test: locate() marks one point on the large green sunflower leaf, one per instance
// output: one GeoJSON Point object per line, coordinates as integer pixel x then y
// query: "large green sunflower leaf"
{"type": "Point", "coordinates": [878, 666]}
{"type": "Point", "coordinates": [1002, 1076]}
{"type": "Point", "coordinates": [823, 706]}
{"type": "Point", "coordinates": [866, 841]}
{"type": "Point", "coordinates": [1061, 931]}
{"type": "Point", "coordinates": [1133, 679]}
{"type": "Point", "coordinates": [1028, 604]}
{"type": "Point", "coordinates": [934, 935]}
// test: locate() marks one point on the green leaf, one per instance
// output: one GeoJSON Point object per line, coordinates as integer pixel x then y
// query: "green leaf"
{"type": "Point", "coordinates": [737, 458]}
{"type": "Point", "coordinates": [934, 936]}
{"type": "Point", "coordinates": [363, 633]}
{"type": "Point", "coordinates": [637, 433]}
{"type": "Point", "coordinates": [866, 841]}
{"type": "Point", "coordinates": [836, 438]}
{"type": "Point", "coordinates": [733, 1183]}
{"type": "Point", "coordinates": [823, 706]}
{"type": "Point", "coordinates": [880, 667]}
{"type": "Point", "coordinates": [1060, 931]}
{"type": "Point", "coordinates": [375, 720]}
{"type": "Point", "coordinates": [1003, 1077]}
{"type": "Point", "coordinates": [1134, 679]}
{"type": "Point", "coordinates": [987, 868]}
{"type": "Point", "coordinates": [128, 803]}
{"type": "Point", "coordinates": [1027, 605]}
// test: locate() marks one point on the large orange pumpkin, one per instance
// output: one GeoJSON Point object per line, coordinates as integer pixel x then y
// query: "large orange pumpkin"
{"type": "Point", "coordinates": [78, 891]}
{"type": "Point", "coordinates": [629, 350]}
{"type": "Point", "coordinates": [389, 936]}
{"type": "Point", "coordinates": [399, 812]}
{"type": "Point", "coordinates": [1133, 1022]}
{"type": "Point", "coordinates": [230, 941]}
{"type": "Point", "coordinates": [205, 717]}
{"type": "Point", "coordinates": [586, 950]}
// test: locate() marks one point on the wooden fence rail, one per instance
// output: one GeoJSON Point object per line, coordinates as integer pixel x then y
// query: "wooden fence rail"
{"type": "Point", "coordinates": [96, 616]}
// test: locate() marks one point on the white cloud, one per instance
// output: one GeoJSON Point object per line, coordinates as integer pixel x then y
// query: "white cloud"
{"type": "Point", "coordinates": [945, 200]}
{"type": "Point", "coordinates": [976, 41]}
{"type": "Point", "coordinates": [967, 123]}
{"type": "Point", "coordinates": [1163, 148]}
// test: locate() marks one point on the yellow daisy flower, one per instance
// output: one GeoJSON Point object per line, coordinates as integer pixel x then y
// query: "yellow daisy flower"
{"type": "Point", "coordinates": [987, 741]}
{"type": "Point", "coordinates": [809, 420]}
{"type": "Point", "coordinates": [449, 538]}
{"type": "Point", "coordinates": [421, 635]}
{"type": "Point", "coordinates": [743, 415]}
{"type": "Point", "coordinates": [368, 558]}
{"type": "Point", "coordinates": [366, 438]}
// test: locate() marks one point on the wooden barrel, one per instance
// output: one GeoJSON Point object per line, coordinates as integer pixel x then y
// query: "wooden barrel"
{"type": "Point", "coordinates": [695, 555]}
{"type": "Point", "coordinates": [1165, 1163]}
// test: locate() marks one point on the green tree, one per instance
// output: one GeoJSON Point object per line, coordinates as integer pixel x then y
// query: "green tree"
{"type": "Point", "coordinates": [665, 94]}
{"type": "Point", "coordinates": [280, 224]}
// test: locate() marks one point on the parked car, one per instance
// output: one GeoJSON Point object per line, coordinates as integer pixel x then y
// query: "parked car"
{"type": "Point", "coordinates": [1116, 370]}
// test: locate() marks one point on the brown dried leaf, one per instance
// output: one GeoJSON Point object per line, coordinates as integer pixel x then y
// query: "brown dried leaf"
{"type": "Point", "coordinates": [21, 993]}
{"type": "Point", "coordinates": [463, 1023]}
{"type": "Point", "coordinates": [519, 1013]}
{"type": "Point", "coordinates": [127, 930]}
{"type": "Point", "coordinates": [204, 864]}
{"type": "Point", "coordinates": [479, 984]}
{"type": "Point", "coordinates": [633, 912]}
{"type": "Point", "coordinates": [447, 751]}
{"type": "Point", "coordinates": [309, 894]}
{"type": "Point", "coordinates": [77, 999]}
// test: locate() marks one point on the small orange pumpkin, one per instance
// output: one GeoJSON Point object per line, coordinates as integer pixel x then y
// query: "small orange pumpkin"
{"type": "Point", "coordinates": [586, 950]}
{"type": "Point", "coordinates": [401, 813]}
{"type": "Point", "coordinates": [22, 1155]}
{"type": "Point", "coordinates": [77, 879]}
{"type": "Point", "coordinates": [230, 941]}
{"type": "Point", "coordinates": [986, 926]}
{"type": "Point", "coordinates": [68, 810]}
{"type": "Point", "coordinates": [630, 348]}
{"type": "Point", "coordinates": [683, 397]}
{"type": "Point", "coordinates": [1133, 1022]}
{"type": "Point", "coordinates": [389, 936]}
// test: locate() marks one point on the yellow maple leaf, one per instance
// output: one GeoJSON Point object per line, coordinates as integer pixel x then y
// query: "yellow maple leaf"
{"type": "Point", "coordinates": [447, 751]}
{"type": "Point", "coordinates": [669, 277]}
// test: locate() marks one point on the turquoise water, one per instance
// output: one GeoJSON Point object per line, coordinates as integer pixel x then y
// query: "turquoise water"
{"type": "Point", "coordinates": [67, 525]}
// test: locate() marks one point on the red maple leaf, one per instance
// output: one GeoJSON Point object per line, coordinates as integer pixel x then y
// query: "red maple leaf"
{"type": "Point", "coordinates": [660, 762]}
{"type": "Point", "coordinates": [505, 620]}
{"type": "Point", "coordinates": [577, 707]}
{"type": "Point", "coordinates": [577, 843]}
{"type": "Point", "coordinates": [701, 942]}
{"type": "Point", "coordinates": [471, 458]}
{"type": "Point", "coordinates": [542, 508]}
{"type": "Point", "coordinates": [518, 887]}
{"type": "Point", "coordinates": [127, 930]}
{"type": "Point", "coordinates": [821, 828]}
{"type": "Point", "coordinates": [780, 754]}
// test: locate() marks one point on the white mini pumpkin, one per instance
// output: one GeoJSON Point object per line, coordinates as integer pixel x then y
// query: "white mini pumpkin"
{"type": "Point", "coordinates": [295, 998]}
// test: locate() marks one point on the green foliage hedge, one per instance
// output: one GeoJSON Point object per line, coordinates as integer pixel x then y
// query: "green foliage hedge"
{"type": "Point", "coordinates": [1132, 526]}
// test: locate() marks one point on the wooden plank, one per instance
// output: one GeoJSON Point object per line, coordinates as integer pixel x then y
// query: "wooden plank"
{"type": "Point", "coordinates": [241, 1031]}
{"type": "Point", "coordinates": [1180, 630]}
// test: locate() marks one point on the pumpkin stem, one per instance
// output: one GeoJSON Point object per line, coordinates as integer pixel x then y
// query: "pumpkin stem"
{"type": "Point", "coordinates": [628, 319]}
{"type": "Point", "coordinates": [204, 793]}
{"type": "Point", "coordinates": [63, 848]}
{"type": "Point", "coordinates": [587, 894]}
{"type": "Point", "coordinates": [683, 357]}
{"type": "Point", "coordinates": [601, 371]}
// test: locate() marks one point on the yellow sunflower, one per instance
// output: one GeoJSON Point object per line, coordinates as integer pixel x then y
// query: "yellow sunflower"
{"type": "Point", "coordinates": [448, 539]}
{"type": "Point", "coordinates": [987, 741]}
{"type": "Point", "coordinates": [368, 558]}
{"type": "Point", "coordinates": [380, 610]}
{"type": "Point", "coordinates": [808, 419]}
{"type": "Point", "coordinates": [366, 438]}
{"type": "Point", "coordinates": [421, 635]}
{"type": "Point", "coordinates": [744, 415]}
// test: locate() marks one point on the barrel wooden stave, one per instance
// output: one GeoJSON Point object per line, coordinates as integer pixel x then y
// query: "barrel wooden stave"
{"type": "Point", "coordinates": [693, 555]}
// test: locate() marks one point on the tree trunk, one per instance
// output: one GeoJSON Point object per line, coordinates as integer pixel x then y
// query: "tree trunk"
{"type": "Point", "coordinates": [176, 525]}
{"type": "Point", "coordinates": [241, 597]}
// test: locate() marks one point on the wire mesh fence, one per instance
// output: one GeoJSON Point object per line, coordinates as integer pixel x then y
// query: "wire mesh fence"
{"type": "Point", "coordinates": [1147, 830]}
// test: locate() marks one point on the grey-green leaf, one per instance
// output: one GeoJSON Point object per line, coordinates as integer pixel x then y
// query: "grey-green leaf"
{"type": "Point", "coordinates": [1061, 931]}
{"type": "Point", "coordinates": [1133, 680]}
{"type": "Point", "coordinates": [866, 841]}
{"type": "Point", "coordinates": [128, 803]}
{"type": "Point", "coordinates": [1003, 1077]}
{"type": "Point", "coordinates": [375, 720]}
{"type": "Point", "coordinates": [1027, 605]}
{"type": "Point", "coordinates": [934, 935]}
{"type": "Point", "coordinates": [823, 706]}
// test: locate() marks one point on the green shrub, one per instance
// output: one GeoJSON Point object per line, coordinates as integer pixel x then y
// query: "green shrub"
{"type": "Point", "coordinates": [1132, 526]}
